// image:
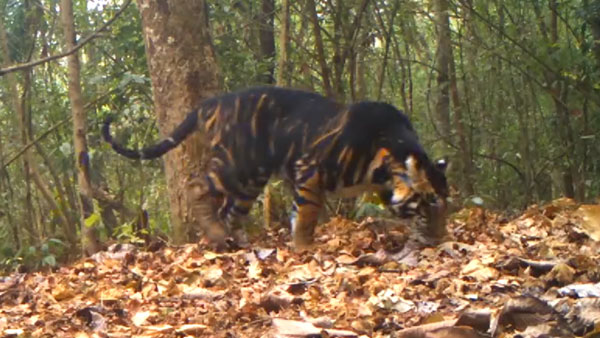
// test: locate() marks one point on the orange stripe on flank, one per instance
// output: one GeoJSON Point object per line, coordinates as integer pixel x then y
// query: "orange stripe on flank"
{"type": "Point", "coordinates": [255, 113]}
{"type": "Point", "coordinates": [211, 121]}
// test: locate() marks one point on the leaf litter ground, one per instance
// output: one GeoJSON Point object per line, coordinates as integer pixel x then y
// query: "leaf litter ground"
{"type": "Point", "coordinates": [536, 275]}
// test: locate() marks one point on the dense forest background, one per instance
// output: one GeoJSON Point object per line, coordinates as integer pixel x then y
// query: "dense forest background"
{"type": "Point", "coordinates": [507, 90]}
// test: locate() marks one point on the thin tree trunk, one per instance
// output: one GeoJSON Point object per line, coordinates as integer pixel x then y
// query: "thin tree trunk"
{"type": "Point", "coordinates": [444, 49]}
{"type": "Point", "coordinates": [386, 36]}
{"type": "Point", "coordinates": [586, 156]}
{"type": "Point", "coordinates": [71, 227]}
{"type": "Point", "coordinates": [345, 38]}
{"type": "Point", "coordinates": [463, 151]}
{"type": "Point", "coordinates": [409, 76]}
{"type": "Point", "coordinates": [560, 93]}
{"type": "Point", "coordinates": [358, 86]}
{"type": "Point", "coordinates": [89, 239]}
{"type": "Point", "coordinates": [593, 15]}
{"type": "Point", "coordinates": [183, 70]}
{"type": "Point", "coordinates": [18, 107]}
{"type": "Point", "coordinates": [47, 194]}
{"type": "Point", "coordinates": [565, 132]}
{"type": "Point", "coordinates": [283, 76]}
{"type": "Point", "coordinates": [524, 142]}
{"type": "Point", "coordinates": [405, 74]}
{"type": "Point", "coordinates": [311, 6]}
{"type": "Point", "coordinates": [352, 71]}
{"type": "Point", "coordinates": [388, 43]}
{"type": "Point", "coordinates": [283, 79]}
{"type": "Point", "coordinates": [5, 188]}
{"type": "Point", "coordinates": [359, 70]}
{"type": "Point", "coordinates": [305, 75]}
{"type": "Point", "coordinates": [340, 12]}
{"type": "Point", "coordinates": [267, 38]}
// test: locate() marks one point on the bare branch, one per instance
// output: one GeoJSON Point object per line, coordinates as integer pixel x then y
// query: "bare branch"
{"type": "Point", "coordinates": [51, 129]}
{"type": "Point", "coordinates": [32, 142]}
{"type": "Point", "coordinates": [530, 53]}
{"type": "Point", "coordinates": [81, 43]}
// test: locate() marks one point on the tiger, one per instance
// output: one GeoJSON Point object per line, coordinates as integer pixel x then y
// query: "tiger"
{"type": "Point", "coordinates": [319, 146]}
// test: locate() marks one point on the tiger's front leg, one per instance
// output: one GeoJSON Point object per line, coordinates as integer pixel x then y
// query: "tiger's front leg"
{"type": "Point", "coordinates": [308, 201]}
{"type": "Point", "coordinates": [233, 212]}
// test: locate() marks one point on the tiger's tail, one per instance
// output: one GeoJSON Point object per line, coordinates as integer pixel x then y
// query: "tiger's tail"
{"type": "Point", "coordinates": [177, 136]}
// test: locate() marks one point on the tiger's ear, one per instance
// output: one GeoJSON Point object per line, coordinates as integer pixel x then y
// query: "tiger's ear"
{"type": "Point", "coordinates": [441, 164]}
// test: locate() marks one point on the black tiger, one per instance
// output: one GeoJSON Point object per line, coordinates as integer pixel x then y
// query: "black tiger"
{"type": "Point", "coordinates": [319, 145]}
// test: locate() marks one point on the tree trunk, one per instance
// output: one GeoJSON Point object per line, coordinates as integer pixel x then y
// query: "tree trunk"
{"type": "Point", "coordinates": [183, 70]}
{"type": "Point", "coordinates": [387, 38]}
{"type": "Point", "coordinates": [19, 108]}
{"type": "Point", "coordinates": [340, 15]}
{"type": "Point", "coordinates": [345, 33]}
{"type": "Point", "coordinates": [444, 49]}
{"type": "Point", "coordinates": [5, 185]}
{"type": "Point", "coordinates": [69, 228]}
{"type": "Point", "coordinates": [267, 39]}
{"type": "Point", "coordinates": [7, 201]}
{"type": "Point", "coordinates": [524, 141]}
{"type": "Point", "coordinates": [89, 238]}
{"type": "Point", "coordinates": [314, 19]}
{"type": "Point", "coordinates": [406, 86]}
{"type": "Point", "coordinates": [283, 79]}
{"type": "Point", "coordinates": [560, 94]}
{"type": "Point", "coordinates": [463, 152]}
{"type": "Point", "coordinates": [283, 75]}
{"type": "Point", "coordinates": [593, 14]}
{"type": "Point", "coordinates": [360, 72]}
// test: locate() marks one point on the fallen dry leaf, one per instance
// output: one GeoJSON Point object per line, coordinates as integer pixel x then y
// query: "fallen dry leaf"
{"type": "Point", "coordinates": [590, 216]}
{"type": "Point", "coordinates": [292, 328]}
{"type": "Point", "coordinates": [140, 318]}
{"type": "Point", "coordinates": [368, 279]}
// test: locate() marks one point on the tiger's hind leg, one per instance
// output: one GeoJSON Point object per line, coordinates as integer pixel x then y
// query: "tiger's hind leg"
{"type": "Point", "coordinates": [308, 201]}
{"type": "Point", "coordinates": [205, 199]}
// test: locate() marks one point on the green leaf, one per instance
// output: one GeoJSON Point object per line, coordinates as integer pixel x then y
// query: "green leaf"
{"type": "Point", "coordinates": [56, 241]}
{"type": "Point", "coordinates": [49, 260]}
{"type": "Point", "coordinates": [369, 209]}
{"type": "Point", "coordinates": [92, 220]}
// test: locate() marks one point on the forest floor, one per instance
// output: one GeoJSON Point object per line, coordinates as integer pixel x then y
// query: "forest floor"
{"type": "Point", "coordinates": [534, 275]}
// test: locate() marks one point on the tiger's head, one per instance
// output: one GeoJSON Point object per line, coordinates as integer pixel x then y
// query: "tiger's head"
{"type": "Point", "coordinates": [406, 179]}
{"type": "Point", "coordinates": [415, 186]}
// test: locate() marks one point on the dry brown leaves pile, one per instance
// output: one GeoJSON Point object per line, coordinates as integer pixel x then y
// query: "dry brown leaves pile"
{"type": "Point", "coordinates": [537, 275]}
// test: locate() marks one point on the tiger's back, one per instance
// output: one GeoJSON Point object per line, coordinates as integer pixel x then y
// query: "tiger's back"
{"type": "Point", "coordinates": [262, 131]}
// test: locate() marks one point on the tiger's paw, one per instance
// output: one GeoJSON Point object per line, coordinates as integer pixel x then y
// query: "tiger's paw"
{"type": "Point", "coordinates": [303, 243]}
{"type": "Point", "coordinates": [216, 236]}
{"type": "Point", "coordinates": [239, 239]}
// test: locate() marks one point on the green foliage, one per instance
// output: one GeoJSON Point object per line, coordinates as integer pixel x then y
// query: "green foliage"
{"type": "Point", "coordinates": [31, 257]}
{"type": "Point", "coordinates": [368, 209]}
{"type": "Point", "coordinates": [127, 233]}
